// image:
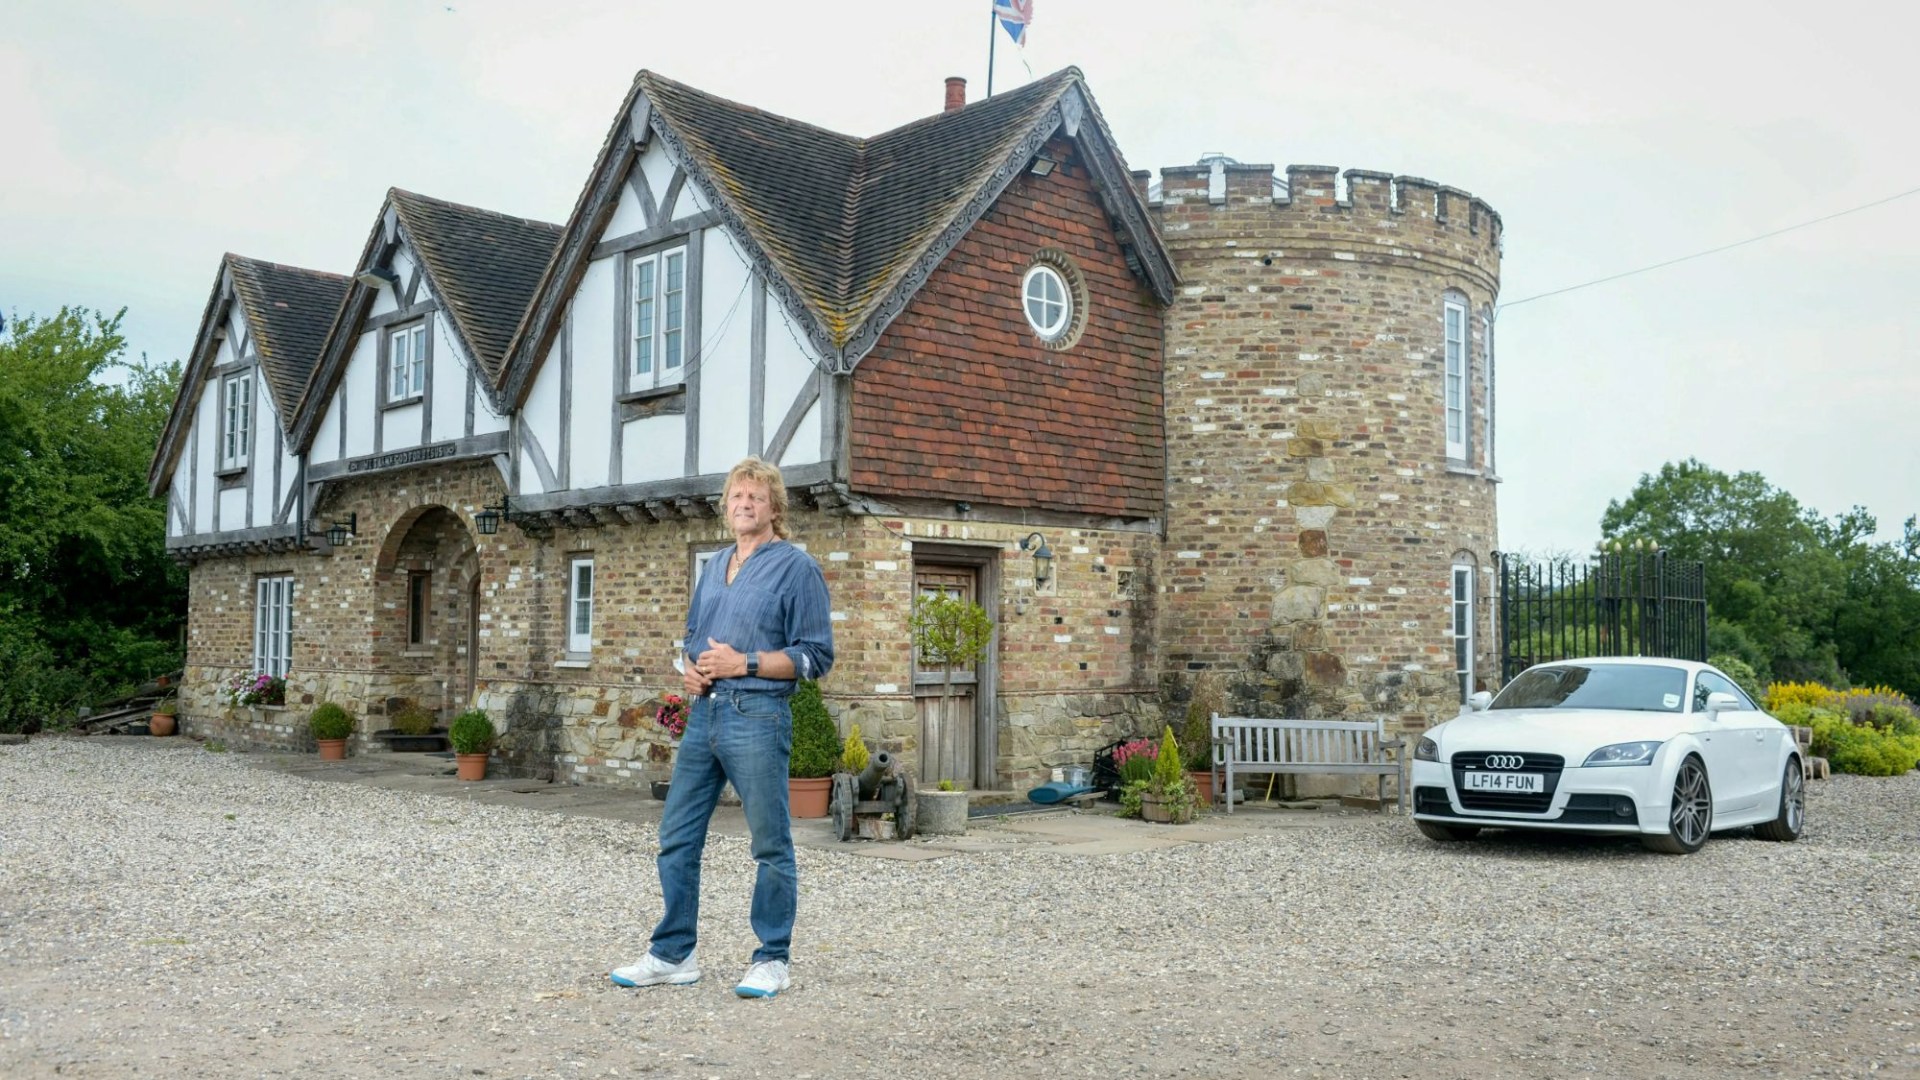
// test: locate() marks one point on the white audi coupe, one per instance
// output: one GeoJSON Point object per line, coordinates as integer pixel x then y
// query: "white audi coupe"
{"type": "Point", "coordinates": [1668, 750]}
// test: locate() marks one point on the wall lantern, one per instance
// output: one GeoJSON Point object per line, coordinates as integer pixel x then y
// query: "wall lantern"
{"type": "Point", "coordinates": [338, 532]}
{"type": "Point", "coordinates": [1042, 558]}
{"type": "Point", "coordinates": [489, 518]}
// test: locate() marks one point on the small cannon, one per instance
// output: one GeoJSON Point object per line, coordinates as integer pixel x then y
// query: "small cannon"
{"type": "Point", "coordinates": [861, 803]}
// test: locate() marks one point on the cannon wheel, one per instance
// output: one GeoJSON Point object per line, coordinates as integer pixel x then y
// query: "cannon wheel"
{"type": "Point", "coordinates": [905, 807]}
{"type": "Point", "coordinates": [841, 805]}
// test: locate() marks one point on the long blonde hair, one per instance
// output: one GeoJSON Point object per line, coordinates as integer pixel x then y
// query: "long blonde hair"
{"type": "Point", "coordinates": [762, 472]}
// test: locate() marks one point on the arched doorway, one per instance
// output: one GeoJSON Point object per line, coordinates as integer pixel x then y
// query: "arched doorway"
{"type": "Point", "coordinates": [426, 586]}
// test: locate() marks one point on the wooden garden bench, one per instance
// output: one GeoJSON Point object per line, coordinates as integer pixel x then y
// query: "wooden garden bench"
{"type": "Point", "coordinates": [1341, 747]}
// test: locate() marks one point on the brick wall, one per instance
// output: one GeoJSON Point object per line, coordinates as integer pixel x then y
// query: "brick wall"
{"type": "Point", "coordinates": [1313, 517]}
{"type": "Point", "coordinates": [1075, 660]}
{"type": "Point", "coordinates": [960, 399]}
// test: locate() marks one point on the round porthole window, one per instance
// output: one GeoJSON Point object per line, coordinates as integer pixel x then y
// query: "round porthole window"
{"type": "Point", "coordinates": [1054, 299]}
{"type": "Point", "coordinates": [1049, 306]}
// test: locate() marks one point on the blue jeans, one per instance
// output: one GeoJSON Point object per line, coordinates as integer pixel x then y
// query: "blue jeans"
{"type": "Point", "coordinates": [746, 738]}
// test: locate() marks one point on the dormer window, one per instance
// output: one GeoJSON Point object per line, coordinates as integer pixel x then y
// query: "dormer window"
{"type": "Point", "coordinates": [407, 363]}
{"type": "Point", "coordinates": [236, 420]}
{"type": "Point", "coordinates": [657, 353]}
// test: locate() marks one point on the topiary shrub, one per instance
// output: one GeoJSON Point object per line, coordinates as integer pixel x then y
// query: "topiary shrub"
{"type": "Point", "coordinates": [853, 753]}
{"type": "Point", "coordinates": [471, 732]}
{"type": "Point", "coordinates": [413, 719]}
{"type": "Point", "coordinates": [330, 721]}
{"type": "Point", "coordinates": [816, 744]}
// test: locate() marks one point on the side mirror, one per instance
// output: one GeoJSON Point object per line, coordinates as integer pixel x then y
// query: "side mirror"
{"type": "Point", "coordinates": [1479, 702]}
{"type": "Point", "coordinates": [1717, 703]}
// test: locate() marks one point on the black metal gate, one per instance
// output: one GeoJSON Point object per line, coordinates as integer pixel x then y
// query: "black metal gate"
{"type": "Point", "coordinates": [1628, 603]}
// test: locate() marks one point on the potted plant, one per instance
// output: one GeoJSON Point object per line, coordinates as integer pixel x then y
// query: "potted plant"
{"type": "Point", "coordinates": [816, 747]}
{"type": "Point", "coordinates": [330, 725]}
{"type": "Point", "coordinates": [1167, 793]}
{"type": "Point", "coordinates": [942, 811]}
{"type": "Point", "coordinates": [254, 691]}
{"type": "Point", "coordinates": [412, 731]}
{"type": "Point", "coordinates": [472, 736]}
{"type": "Point", "coordinates": [671, 716]}
{"type": "Point", "coordinates": [163, 719]}
{"type": "Point", "coordinates": [1196, 736]}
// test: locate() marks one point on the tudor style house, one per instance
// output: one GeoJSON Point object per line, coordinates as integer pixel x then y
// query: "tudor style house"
{"type": "Point", "coordinates": [482, 469]}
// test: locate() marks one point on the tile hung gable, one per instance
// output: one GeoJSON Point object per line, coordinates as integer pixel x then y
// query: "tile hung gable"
{"type": "Point", "coordinates": [288, 310]}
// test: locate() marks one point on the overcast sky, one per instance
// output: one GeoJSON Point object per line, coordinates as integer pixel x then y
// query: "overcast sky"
{"type": "Point", "coordinates": [142, 140]}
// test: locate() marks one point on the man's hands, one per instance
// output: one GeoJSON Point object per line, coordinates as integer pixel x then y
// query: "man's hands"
{"type": "Point", "coordinates": [720, 661]}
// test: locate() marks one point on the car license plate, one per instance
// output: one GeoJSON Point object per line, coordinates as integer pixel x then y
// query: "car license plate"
{"type": "Point", "coordinates": [1506, 781]}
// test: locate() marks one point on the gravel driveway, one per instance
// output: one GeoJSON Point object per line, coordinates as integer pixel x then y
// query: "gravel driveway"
{"type": "Point", "coordinates": [173, 912]}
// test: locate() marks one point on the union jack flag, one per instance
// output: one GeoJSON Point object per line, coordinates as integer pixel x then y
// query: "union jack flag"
{"type": "Point", "coordinates": [1014, 15]}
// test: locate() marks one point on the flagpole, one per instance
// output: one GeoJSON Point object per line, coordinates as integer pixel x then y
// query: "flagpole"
{"type": "Point", "coordinates": [992, 39]}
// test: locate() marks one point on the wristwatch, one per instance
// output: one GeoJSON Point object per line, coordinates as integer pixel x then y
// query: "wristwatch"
{"type": "Point", "coordinates": [753, 665]}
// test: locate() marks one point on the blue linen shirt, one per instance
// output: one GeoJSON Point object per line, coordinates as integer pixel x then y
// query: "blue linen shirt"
{"type": "Point", "coordinates": [777, 603]}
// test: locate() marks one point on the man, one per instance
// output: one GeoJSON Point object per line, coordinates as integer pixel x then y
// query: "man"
{"type": "Point", "coordinates": [759, 622]}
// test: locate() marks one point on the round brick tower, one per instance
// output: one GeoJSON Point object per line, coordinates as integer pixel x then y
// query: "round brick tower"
{"type": "Point", "coordinates": [1330, 457]}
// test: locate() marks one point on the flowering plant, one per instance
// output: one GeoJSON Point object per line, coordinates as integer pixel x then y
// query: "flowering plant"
{"type": "Point", "coordinates": [1134, 759]}
{"type": "Point", "coordinates": [256, 689]}
{"type": "Point", "coordinates": [672, 715]}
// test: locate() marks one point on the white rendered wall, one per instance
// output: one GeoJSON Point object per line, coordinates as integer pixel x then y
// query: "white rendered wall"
{"type": "Point", "coordinates": [658, 168]}
{"type": "Point", "coordinates": [356, 400]}
{"type": "Point", "coordinates": [593, 319]}
{"type": "Point", "coordinates": [628, 217]}
{"type": "Point", "coordinates": [654, 449]}
{"type": "Point", "coordinates": [688, 203]}
{"type": "Point", "coordinates": [540, 418]}
{"type": "Point", "coordinates": [726, 359]}
{"type": "Point", "coordinates": [447, 383]}
{"type": "Point", "coordinates": [789, 365]}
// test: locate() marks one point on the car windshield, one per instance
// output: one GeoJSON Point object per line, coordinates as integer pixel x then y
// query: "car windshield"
{"type": "Point", "coordinates": [1634, 687]}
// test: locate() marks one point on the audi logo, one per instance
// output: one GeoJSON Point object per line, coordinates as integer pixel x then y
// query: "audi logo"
{"type": "Point", "coordinates": [1506, 761]}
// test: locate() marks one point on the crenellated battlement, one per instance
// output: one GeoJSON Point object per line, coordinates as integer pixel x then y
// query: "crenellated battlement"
{"type": "Point", "coordinates": [1321, 197]}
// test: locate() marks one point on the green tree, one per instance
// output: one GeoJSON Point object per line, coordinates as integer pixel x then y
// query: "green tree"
{"type": "Point", "coordinates": [1772, 581]}
{"type": "Point", "coordinates": [1796, 596]}
{"type": "Point", "coordinates": [89, 600]}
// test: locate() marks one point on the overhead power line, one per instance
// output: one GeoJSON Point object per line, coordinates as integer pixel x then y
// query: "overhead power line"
{"type": "Point", "coordinates": [1711, 251]}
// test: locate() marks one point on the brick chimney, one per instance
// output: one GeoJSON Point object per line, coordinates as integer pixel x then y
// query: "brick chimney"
{"type": "Point", "coordinates": [956, 92]}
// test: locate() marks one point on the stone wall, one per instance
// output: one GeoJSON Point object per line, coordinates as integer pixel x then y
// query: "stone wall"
{"type": "Point", "coordinates": [1075, 659]}
{"type": "Point", "coordinates": [1313, 516]}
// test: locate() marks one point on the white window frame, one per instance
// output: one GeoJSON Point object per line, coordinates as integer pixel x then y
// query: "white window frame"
{"type": "Point", "coordinates": [657, 319]}
{"type": "Point", "coordinates": [1486, 333]}
{"type": "Point", "coordinates": [1033, 291]}
{"type": "Point", "coordinates": [236, 421]}
{"type": "Point", "coordinates": [407, 366]}
{"type": "Point", "coordinates": [579, 607]}
{"type": "Point", "coordinates": [1457, 344]}
{"type": "Point", "coordinates": [1461, 625]}
{"type": "Point", "coordinates": [273, 624]}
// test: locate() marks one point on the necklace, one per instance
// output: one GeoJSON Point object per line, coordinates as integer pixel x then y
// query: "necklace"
{"type": "Point", "coordinates": [734, 564]}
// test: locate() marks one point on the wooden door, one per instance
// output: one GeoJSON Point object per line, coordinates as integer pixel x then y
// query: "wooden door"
{"type": "Point", "coordinates": [949, 726]}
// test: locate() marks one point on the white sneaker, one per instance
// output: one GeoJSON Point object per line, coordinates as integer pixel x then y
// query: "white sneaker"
{"type": "Point", "coordinates": [764, 979]}
{"type": "Point", "coordinates": [653, 971]}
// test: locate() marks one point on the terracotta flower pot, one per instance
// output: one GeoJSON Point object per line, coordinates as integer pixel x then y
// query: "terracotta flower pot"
{"type": "Point", "coordinates": [160, 724]}
{"type": "Point", "coordinates": [1203, 784]}
{"type": "Point", "coordinates": [470, 766]}
{"type": "Point", "coordinates": [332, 749]}
{"type": "Point", "coordinates": [808, 798]}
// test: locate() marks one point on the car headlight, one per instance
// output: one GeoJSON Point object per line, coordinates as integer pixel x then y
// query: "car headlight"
{"type": "Point", "coordinates": [1426, 750]}
{"type": "Point", "coordinates": [1624, 753]}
